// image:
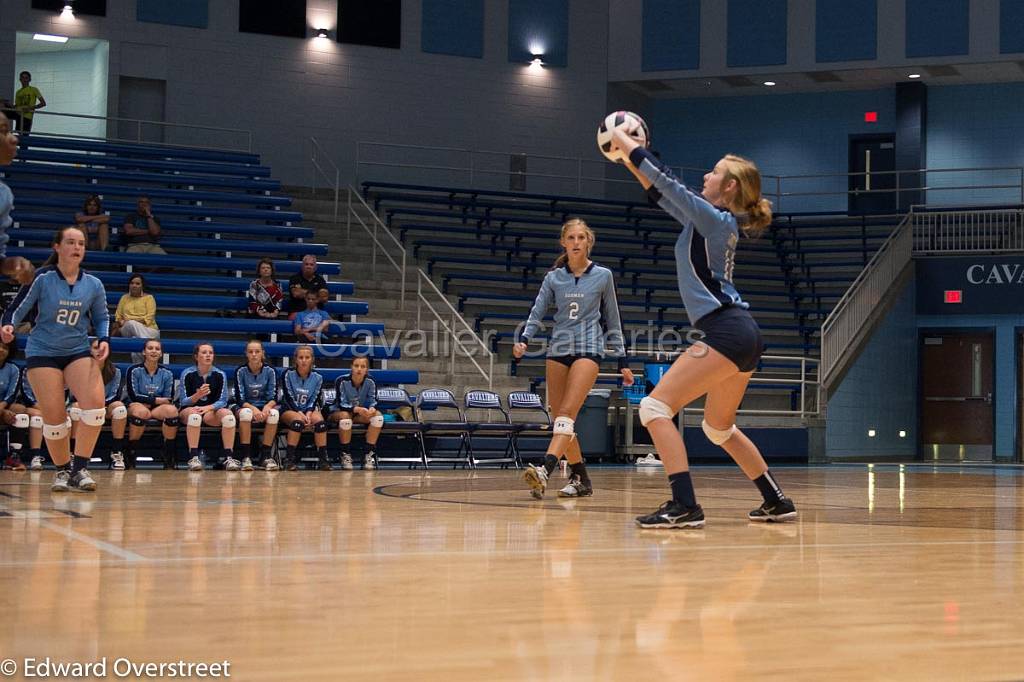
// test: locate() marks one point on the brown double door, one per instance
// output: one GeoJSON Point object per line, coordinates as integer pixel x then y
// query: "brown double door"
{"type": "Point", "coordinates": [957, 419]}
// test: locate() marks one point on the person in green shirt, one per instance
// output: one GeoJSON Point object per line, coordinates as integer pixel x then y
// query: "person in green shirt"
{"type": "Point", "coordinates": [26, 101]}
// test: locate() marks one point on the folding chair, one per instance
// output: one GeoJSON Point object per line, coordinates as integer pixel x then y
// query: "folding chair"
{"type": "Point", "coordinates": [433, 400]}
{"type": "Point", "coordinates": [393, 398]}
{"type": "Point", "coordinates": [486, 427]}
{"type": "Point", "coordinates": [523, 402]}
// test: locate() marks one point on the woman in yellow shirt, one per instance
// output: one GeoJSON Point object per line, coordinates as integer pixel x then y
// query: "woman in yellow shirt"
{"type": "Point", "coordinates": [136, 314]}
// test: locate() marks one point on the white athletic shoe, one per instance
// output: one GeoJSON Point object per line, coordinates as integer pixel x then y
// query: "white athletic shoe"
{"type": "Point", "coordinates": [270, 465]}
{"type": "Point", "coordinates": [247, 464]}
{"type": "Point", "coordinates": [60, 481]}
{"type": "Point", "coordinates": [650, 460]}
{"type": "Point", "coordinates": [537, 478]}
{"type": "Point", "coordinates": [370, 462]}
{"type": "Point", "coordinates": [117, 461]}
{"type": "Point", "coordinates": [232, 464]}
{"type": "Point", "coordinates": [37, 463]}
{"type": "Point", "coordinates": [346, 462]}
{"type": "Point", "coordinates": [195, 464]}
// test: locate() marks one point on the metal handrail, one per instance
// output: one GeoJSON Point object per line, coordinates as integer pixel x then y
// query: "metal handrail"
{"type": "Point", "coordinates": [853, 310]}
{"type": "Point", "coordinates": [378, 227]}
{"type": "Point", "coordinates": [317, 155]}
{"type": "Point", "coordinates": [986, 231]}
{"type": "Point", "coordinates": [456, 319]}
{"type": "Point", "coordinates": [140, 122]}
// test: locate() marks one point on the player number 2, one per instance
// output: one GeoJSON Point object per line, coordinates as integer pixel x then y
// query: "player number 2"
{"type": "Point", "coordinates": [68, 317]}
{"type": "Point", "coordinates": [574, 311]}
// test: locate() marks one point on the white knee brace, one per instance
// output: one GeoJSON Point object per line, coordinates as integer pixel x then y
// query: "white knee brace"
{"type": "Point", "coordinates": [36, 422]}
{"type": "Point", "coordinates": [717, 436]}
{"type": "Point", "coordinates": [345, 424]}
{"type": "Point", "coordinates": [195, 419]}
{"type": "Point", "coordinates": [564, 427]}
{"type": "Point", "coordinates": [21, 421]}
{"type": "Point", "coordinates": [651, 409]}
{"type": "Point", "coordinates": [228, 421]}
{"type": "Point", "coordinates": [273, 417]}
{"type": "Point", "coordinates": [75, 413]}
{"type": "Point", "coordinates": [377, 421]}
{"type": "Point", "coordinates": [94, 417]}
{"type": "Point", "coordinates": [245, 414]}
{"type": "Point", "coordinates": [56, 431]}
{"type": "Point", "coordinates": [119, 412]}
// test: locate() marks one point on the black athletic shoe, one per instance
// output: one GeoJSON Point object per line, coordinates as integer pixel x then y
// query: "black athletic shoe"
{"type": "Point", "coordinates": [293, 465]}
{"type": "Point", "coordinates": [325, 464]}
{"type": "Point", "coordinates": [576, 488]}
{"type": "Point", "coordinates": [783, 510]}
{"type": "Point", "coordinates": [673, 515]}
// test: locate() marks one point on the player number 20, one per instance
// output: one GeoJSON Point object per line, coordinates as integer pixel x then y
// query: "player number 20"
{"type": "Point", "coordinates": [68, 317]}
{"type": "Point", "coordinates": [574, 311]}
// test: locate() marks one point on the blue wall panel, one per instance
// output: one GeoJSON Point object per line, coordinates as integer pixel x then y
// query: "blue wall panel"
{"type": "Point", "coordinates": [179, 13]}
{"type": "Point", "coordinates": [846, 30]}
{"type": "Point", "coordinates": [671, 35]}
{"type": "Point", "coordinates": [1011, 26]}
{"type": "Point", "coordinates": [541, 25]}
{"type": "Point", "coordinates": [757, 33]}
{"type": "Point", "coordinates": [937, 28]}
{"type": "Point", "coordinates": [453, 27]}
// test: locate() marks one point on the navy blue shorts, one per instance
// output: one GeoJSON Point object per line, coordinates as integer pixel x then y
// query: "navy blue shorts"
{"type": "Point", "coordinates": [567, 360]}
{"type": "Point", "coordinates": [733, 332]}
{"type": "Point", "coordinates": [60, 362]}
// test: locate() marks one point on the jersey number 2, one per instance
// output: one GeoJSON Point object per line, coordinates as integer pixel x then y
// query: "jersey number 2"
{"type": "Point", "coordinates": [68, 317]}
{"type": "Point", "coordinates": [574, 311]}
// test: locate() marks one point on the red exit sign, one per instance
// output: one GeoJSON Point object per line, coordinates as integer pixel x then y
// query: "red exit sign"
{"type": "Point", "coordinates": [953, 296]}
{"type": "Point", "coordinates": [871, 117]}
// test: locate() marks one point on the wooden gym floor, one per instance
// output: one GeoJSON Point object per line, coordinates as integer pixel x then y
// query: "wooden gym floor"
{"type": "Point", "coordinates": [890, 573]}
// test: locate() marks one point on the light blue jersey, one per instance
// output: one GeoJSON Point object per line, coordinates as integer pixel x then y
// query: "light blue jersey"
{"type": "Point", "coordinates": [302, 395]}
{"type": "Point", "coordinates": [10, 382]}
{"type": "Point", "coordinates": [256, 389]}
{"type": "Point", "coordinates": [64, 313]}
{"type": "Point", "coordinates": [706, 247]}
{"type": "Point", "coordinates": [113, 389]}
{"type": "Point", "coordinates": [145, 388]}
{"type": "Point", "coordinates": [586, 313]}
{"type": "Point", "coordinates": [6, 206]}
{"type": "Point", "coordinates": [349, 396]}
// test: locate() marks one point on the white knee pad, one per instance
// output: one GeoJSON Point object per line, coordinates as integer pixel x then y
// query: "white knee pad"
{"type": "Point", "coordinates": [228, 421]}
{"type": "Point", "coordinates": [94, 417]}
{"type": "Point", "coordinates": [56, 431]}
{"type": "Point", "coordinates": [717, 436]}
{"type": "Point", "coordinates": [564, 427]}
{"type": "Point", "coordinates": [195, 419]}
{"type": "Point", "coordinates": [21, 421]}
{"type": "Point", "coordinates": [245, 414]}
{"type": "Point", "coordinates": [75, 413]}
{"type": "Point", "coordinates": [377, 420]}
{"type": "Point", "coordinates": [345, 424]}
{"type": "Point", "coordinates": [119, 412]}
{"type": "Point", "coordinates": [273, 417]}
{"type": "Point", "coordinates": [36, 422]}
{"type": "Point", "coordinates": [651, 409]}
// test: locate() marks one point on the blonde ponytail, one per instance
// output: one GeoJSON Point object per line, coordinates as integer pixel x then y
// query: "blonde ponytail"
{"type": "Point", "coordinates": [748, 197]}
{"type": "Point", "coordinates": [570, 223]}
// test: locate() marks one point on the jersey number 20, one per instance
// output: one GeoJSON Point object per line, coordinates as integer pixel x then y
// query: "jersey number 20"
{"type": "Point", "coordinates": [68, 317]}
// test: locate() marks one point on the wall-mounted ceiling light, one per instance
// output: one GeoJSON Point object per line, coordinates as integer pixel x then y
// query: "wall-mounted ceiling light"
{"type": "Point", "coordinates": [47, 38]}
{"type": "Point", "coordinates": [770, 84]}
{"type": "Point", "coordinates": [322, 33]}
{"type": "Point", "coordinates": [914, 75]}
{"type": "Point", "coordinates": [871, 433]}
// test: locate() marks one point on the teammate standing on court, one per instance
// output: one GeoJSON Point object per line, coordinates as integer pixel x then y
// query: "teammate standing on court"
{"type": "Point", "coordinates": [59, 353]}
{"type": "Point", "coordinates": [586, 324]}
{"type": "Point", "coordinates": [722, 363]}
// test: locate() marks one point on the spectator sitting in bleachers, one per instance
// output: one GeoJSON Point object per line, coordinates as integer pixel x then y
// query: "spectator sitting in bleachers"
{"type": "Point", "coordinates": [11, 377]}
{"type": "Point", "coordinates": [303, 281]}
{"type": "Point", "coordinates": [117, 413]}
{"type": "Point", "coordinates": [142, 229]}
{"type": "Point", "coordinates": [136, 314]}
{"type": "Point", "coordinates": [256, 398]}
{"type": "Point", "coordinates": [203, 399]}
{"type": "Point", "coordinates": [94, 223]}
{"type": "Point", "coordinates": [303, 405]}
{"type": "Point", "coordinates": [151, 396]}
{"type": "Point", "coordinates": [312, 321]}
{"type": "Point", "coordinates": [356, 402]}
{"type": "Point", "coordinates": [265, 295]}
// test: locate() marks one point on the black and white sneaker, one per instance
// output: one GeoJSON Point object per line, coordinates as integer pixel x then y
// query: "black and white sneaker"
{"type": "Point", "coordinates": [60, 481]}
{"type": "Point", "coordinates": [783, 510]}
{"type": "Point", "coordinates": [673, 515]}
{"type": "Point", "coordinates": [81, 482]}
{"type": "Point", "coordinates": [576, 488]}
{"type": "Point", "coordinates": [537, 478]}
